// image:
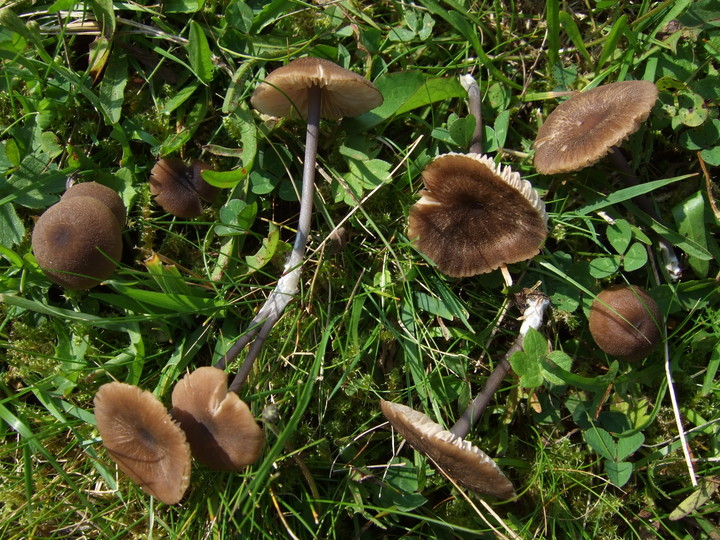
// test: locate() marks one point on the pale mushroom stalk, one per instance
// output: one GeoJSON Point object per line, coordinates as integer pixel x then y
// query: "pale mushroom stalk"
{"type": "Point", "coordinates": [532, 318]}
{"type": "Point", "coordinates": [469, 83]}
{"type": "Point", "coordinates": [670, 259]}
{"type": "Point", "coordinates": [287, 285]}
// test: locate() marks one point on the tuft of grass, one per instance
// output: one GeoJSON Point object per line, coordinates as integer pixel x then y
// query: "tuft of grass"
{"type": "Point", "coordinates": [100, 90]}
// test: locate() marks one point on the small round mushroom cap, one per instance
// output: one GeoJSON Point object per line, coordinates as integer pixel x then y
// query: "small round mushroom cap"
{"type": "Point", "coordinates": [144, 441]}
{"type": "Point", "coordinates": [584, 128]}
{"type": "Point", "coordinates": [625, 322]}
{"type": "Point", "coordinates": [474, 216]}
{"type": "Point", "coordinates": [77, 242]}
{"type": "Point", "coordinates": [466, 464]}
{"type": "Point", "coordinates": [178, 187]}
{"type": "Point", "coordinates": [284, 92]}
{"type": "Point", "coordinates": [102, 193]}
{"type": "Point", "coordinates": [220, 428]}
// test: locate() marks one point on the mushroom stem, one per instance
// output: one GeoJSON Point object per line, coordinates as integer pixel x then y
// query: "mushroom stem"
{"type": "Point", "coordinates": [287, 285]}
{"type": "Point", "coordinates": [669, 258]}
{"type": "Point", "coordinates": [532, 318]}
{"type": "Point", "coordinates": [469, 83]}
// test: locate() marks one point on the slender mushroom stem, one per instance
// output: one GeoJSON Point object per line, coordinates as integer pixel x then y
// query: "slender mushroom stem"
{"type": "Point", "coordinates": [670, 260]}
{"type": "Point", "coordinates": [469, 83]}
{"type": "Point", "coordinates": [287, 285]}
{"type": "Point", "coordinates": [532, 318]}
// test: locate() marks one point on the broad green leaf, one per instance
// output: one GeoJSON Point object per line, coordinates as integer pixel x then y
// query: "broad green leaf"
{"type": "Point", "coordinates": [112, 87]}
{"type": "Point", "coordinates": [224, 179]}
{"type": "Point", "coordinates": [199, 53]}
{"type": "Point", "coordinates": [601, 441]}
{"type": "Point", "coordinates": [552, 13]}
{"type": "Point", "coordinates": [618, 472]}
{"type": "Point", "coordinates": [182, 6]}
{"type": "Point", "coordinates": [626, 446]}
{"type": "Point", "coordinates": [105, 15]}
{"type": "Point", "coordinates": [693, 502]}
{"type": "Point", "coordinates": [12, 229]}
{"type": "Point", "coordinates": [527, 368]}
{"type": "Point", "coordinates": [432, 304]}
{"type": "Point", "coordinates": [690, 218]}
{"type": "Point", "coordinates": [619, 235]}
{"type": "Point", "coordinates": [603, 267]}
{"type": "Point", "coordinates": [265, 253]}
{"type": "Point", "coordinates": [711, 156]}
{"type": "Point", "coordinates": [562, 361]}
{"type": "Point", "coordinates": [568, 24]}
{"type": "Point", "coordinates": [628, 193]}
{"type": "Point", "coordinates": [635, 258]}
{"type": "Point", "coordinates": [611, 42]}
{"type": "Point", "coordinates": [591, 384]}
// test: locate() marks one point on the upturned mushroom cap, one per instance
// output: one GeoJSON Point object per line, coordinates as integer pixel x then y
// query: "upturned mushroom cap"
{"type": "Point", "coordinates": [102, 193]}
{"type": "Point", "coordinates": [284, 92]}
{"type": "Point", "coordinates": [583, 129]}
{"type": "Point", "coordinates": [466, 464]}
{"type": "Point", "coordinates": [475, 216]}
{"type": "Point", "coordinates": [178, 187]}
{"type": "Point", "coordinates": [77, 242]}
{"type": "Point", "coordinates": [146, 444]}
{"type": "Point", "coordinates": [220, 428]}
{"type": "Point", "coordinates": [625, 322]}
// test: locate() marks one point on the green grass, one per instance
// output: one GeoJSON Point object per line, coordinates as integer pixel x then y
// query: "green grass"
{"type": "Point", "coordinates": [374, 319]}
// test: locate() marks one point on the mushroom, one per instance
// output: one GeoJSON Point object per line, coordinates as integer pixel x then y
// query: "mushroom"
{"type": "Point", "coordinates": [307, 88]}
{"type": "Point", "coordinates": [586, 127]}
{"type": "Point", "coordinates": [143, 440]}
{"type": "Point", "coordinates": [219, 426]}
{"type": "Point", "coordinates": [625, 322]}
{"type": "Point", "coordinates": [102, 193]}
{"type": "Point", "coordinates": [461, 460]}
{"type": "Point", "coordinates": [77, 242]}
{"type": "Point", "coordinates": [475, 216]}
{"type": "Point", "coordinates": [466, 464]}
{"type": "Point", "coordinates": [178, 187]}
{"type": "Point", "coordinates": [589, 125]}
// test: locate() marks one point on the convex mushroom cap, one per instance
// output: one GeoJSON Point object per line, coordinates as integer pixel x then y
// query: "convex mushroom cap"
{"type": "Point", "coordinates": [77, 242]}
{"type": "Point", "coordinates": [178, 187]}
{"type": "Point", "coordinates": [143, 439]}
{"type": "Point", "coordinates": [625, 322]}
{"type": "Point", "coordinates": [102, 193]}
{"type": "Point", "coordinates": [220, 428]}
{"type": "Point", "coordinates": [466, 464]}
{"type": "Point", "coordinates": [284, 92]}
{"type": "Point", "coordinates": [474, 216]}
{"type": "Point", "coordinates": [584, 128]}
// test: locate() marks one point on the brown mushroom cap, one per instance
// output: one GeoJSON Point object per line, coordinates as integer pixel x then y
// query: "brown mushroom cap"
{"type": "Point", "coordinates": [475, 216]}
{"type": "Point", "coordinates": [140, 436]}
{"type": "Point", "coordinates": [624, 322]}
{"type": "Point", "coordinates": [178, 187]}
{"type": "Point", "coordinates": [284, 92]}
{"type": "Point", "coordinates": [583, 129]}
{"type": "Point", "coordinates": [102, 193]}
{"type": "Point", "coordinates": [77, 242]}
{"type": "Point", "coordinates": [219, 426]}
{"type": "Point", "coordinates": [463, 462]}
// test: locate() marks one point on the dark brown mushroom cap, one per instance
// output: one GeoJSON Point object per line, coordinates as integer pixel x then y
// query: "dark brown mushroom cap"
{"type": "Point", "coordinates": [143, 439]}
{"type": "Point", "coordinates": [284, 92]}
{"type": "Point", "coordinates": [178, 187]}
{"type": "Point", "coordinates": [475, 216]}
{"type": "Point", "coordinates": [466, 464]}
{"type": "Point", "coordinates": [102, 193]}
{"type": "Point", "coordinates": [77, 242]}
{"type": "Point", "coordinates": [220, 428]}
{"type": "Point", "coordinates": [625, 322]}
{"type": "Point", "coordinates": [583, 129]}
